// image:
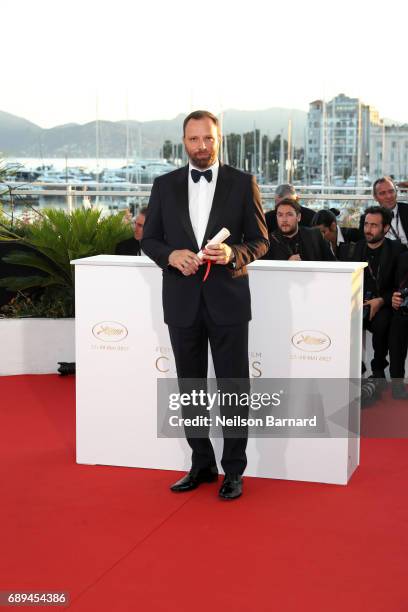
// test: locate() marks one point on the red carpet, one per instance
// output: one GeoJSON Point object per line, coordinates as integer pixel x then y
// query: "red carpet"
{"type": "Point", "coordinates": [118, 540]}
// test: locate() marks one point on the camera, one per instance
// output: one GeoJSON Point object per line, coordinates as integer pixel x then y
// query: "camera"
{"type": "Point", "coordinates": [403, 309]}
{"type": "Point", "coordinates": [368, 295]}
{"type": "Point", "coordinates": [369, 391]}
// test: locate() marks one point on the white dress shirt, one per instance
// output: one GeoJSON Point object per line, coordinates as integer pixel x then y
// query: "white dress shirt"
{"type": "Point", "coordinates": [340, 237]}
{"type": "Point", "coordinates": [397, 231]}
{"type": "Point", "coordinates": [200, 199]}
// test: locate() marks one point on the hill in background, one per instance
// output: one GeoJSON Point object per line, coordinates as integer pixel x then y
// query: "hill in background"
{"type": "Point", "coordinates": [21, 138]}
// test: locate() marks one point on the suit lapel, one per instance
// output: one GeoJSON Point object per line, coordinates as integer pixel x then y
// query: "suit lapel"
{"type": "Point", "coordinates": [403, 215]}
{"type": "Point", "coordinates": [222, 190]}
{"type": "Point", "coordinates": [181, 191]}
{"type": "Point", "coordinates": [385, 263]}
{"type": "Point", "coordinates": [306, 245]}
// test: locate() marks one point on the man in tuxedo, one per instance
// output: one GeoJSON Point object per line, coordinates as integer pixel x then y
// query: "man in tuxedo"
{"type": "Point", "coordinates": [292, 242]}
{"type": "Point", "coordinates": [399, 330]}
{"type": "Point", "coordinates": [187, 208]}
{"type": "Point", "coordinates": [131, 246]}
{"type": "Point", "coordinates": [385, 193]}
{"type": "Point", "coordinates": [282, 192]}
{"type": "Point", "coordinates": [381, 254]}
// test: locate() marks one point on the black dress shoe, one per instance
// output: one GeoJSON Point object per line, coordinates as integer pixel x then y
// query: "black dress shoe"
{"type": "Point", "coordinates": [194, 478]}
{"type": "Point", "coordinates": [399, 391]}
{"type": "Point", "coordinates": [231, 487]}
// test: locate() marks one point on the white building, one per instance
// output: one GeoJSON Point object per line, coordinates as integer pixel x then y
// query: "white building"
{"type": "Point", "coordinates": [338, 142]}
{"type": "Point", "coordinates": [389, 151]}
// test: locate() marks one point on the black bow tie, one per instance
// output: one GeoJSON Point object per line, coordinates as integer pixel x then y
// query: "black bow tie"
{"type": "Point", "coordinates": [196, 175]}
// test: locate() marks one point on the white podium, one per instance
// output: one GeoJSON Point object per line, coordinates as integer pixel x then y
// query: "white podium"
{"type": "Point", "coordinates": [307, 324]}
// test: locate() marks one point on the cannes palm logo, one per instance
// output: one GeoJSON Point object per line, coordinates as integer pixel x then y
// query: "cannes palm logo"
{"type": "Point", "coordinates": [311, 340]}
{"type": "Point", "coordinates": [109, 331]}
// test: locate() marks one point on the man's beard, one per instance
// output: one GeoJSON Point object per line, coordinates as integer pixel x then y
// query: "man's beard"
{"type": "Point", "coordinates": [372, 240]}
{"type": "Point", "coordinates": [204, 162]}
{"type": "Point", "coordinates": [289, 231]}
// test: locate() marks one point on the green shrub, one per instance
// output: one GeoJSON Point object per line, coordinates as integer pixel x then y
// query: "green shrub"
{"type": "Point", "coordinates": [56, 238]}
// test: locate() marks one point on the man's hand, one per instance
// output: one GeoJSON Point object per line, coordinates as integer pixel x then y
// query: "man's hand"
{"type": "Point", "coordinates": [219, 253]}
{"type": "Point", "coordinates": [396, 300]}
{"type": "Point", "coordinates": [375, 305]}
{"type": "Point", "coordinates": [184, 260]}
{"type": "Point", "coordinates": [296, 257]}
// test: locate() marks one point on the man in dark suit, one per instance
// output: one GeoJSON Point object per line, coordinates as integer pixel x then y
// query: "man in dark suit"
{"type": "Point", "coordinates": [399, 330]}
{"type": "Point", "coordinates": [292, 242]}
{"type": "Point", "coordinates": [385, 193]}
{"type": "Point", "coordinates": [338, 238]}
{"type": "Point", "coordinates": [286, 190]}
{"type": "Point", "coordinates": [382, 255]}
{"type": "Point", "coordinates": [131, 246]}
{"type": "Point", "coordinates": [187, 208]}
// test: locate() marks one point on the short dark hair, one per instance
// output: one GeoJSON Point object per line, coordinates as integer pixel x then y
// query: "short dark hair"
{"type": "Point", "coordinates": [324, 217]}
{"type": "Point", "coordinates": [201, 114]}
{"type": "Point", "coordinates": [142, 210]}
{"type": "Point", "coordinates": [290, 202]}
{"type": "Point", "coordinates": [380, 180]}
{"type": "Point", "coordinates": [379, 210]}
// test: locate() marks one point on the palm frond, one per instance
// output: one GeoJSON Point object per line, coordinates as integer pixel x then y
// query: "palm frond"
{"type": "Point", "coordinates": [58, 237]}
{"type": "Point", "coordinates": [31, 260]}
{"type": "Point", "coordinates": [19, 283]}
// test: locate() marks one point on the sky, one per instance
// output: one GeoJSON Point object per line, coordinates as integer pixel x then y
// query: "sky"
{"type": "Point", "coordinates": [77, 61]}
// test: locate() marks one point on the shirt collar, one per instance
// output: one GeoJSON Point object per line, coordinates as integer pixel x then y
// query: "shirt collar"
{"type": "Point", "coordinates": [214, 168]}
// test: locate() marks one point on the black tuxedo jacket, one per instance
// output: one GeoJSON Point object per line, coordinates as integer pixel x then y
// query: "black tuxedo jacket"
{"type": "Point", "coordinates": [403, 217]}
{"type": "Point", "coordinates": [236, 206]}
{"type": "Point", "coordinates": [306, 218]}
{"type": "Point", "coordinates": [314, 246]}
{"type": "Point", "coordinates": [390, 253]}
{"type": "Point", "coordinates": [350, 234]}
{"type": "Point", "coordinates": [401, 279]}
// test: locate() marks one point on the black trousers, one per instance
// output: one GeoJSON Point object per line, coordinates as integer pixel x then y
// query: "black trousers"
{"type": "Point", "coordinates": [380, 329]}
{"type": "Point", "coordinates": [398, 345]}
{"type": "Point", "coordinates": [229, 349]}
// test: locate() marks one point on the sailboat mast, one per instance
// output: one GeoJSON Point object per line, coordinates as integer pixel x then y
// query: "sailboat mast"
{"type": "Point", "coordinates": [383, 148]}
{"type": "Point", "coordinates": [289, 160]}
{"type": "Point", "coordinates": [127, 137]}
{"type": "Point", "coordinates": [323, 145]}
{"type": "Point", "coordinates": [97, 146]}
{"type": "Point", "coordinates": [358, 145]}
{"type": "Point", "coordinates": [226, 156]}
{"type": "Point", "coordinates": [242, 152]}
{"type": "Point", "coordinates": [97, 135]}
{"type": "Point", "coordinates": [267, 159]}
{"type": "Point", "coordinates": [221, 120]}
{"type": "Point", "coordinates": [281, 160]}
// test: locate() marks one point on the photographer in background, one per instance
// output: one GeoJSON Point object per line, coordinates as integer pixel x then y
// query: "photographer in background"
{"type": "Point", "coordinates": [284, 192]}
{"type": "Point", "coordinates": [399, 330]}
{"type": "Point", "coordinates": [381, 255]}
{"type": "Point", "coordinates": [292, 242]}
{"type": "Point", "coordinates": [385, 193]}
{"type": "Point", "coordinates": [131, 246]}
